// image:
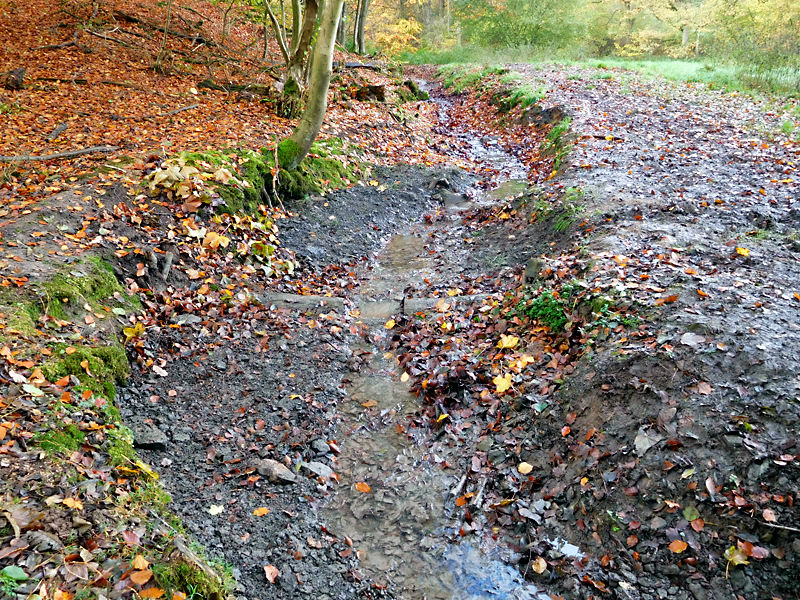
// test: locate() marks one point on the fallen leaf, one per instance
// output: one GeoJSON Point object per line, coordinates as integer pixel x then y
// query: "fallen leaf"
{"type": "Point", "coordinates": [216, 509]}
{"type": "Point", "coordinates": [139, 562]}
{"type": "Point", "coordinates": [704, 388]}
{"type": "Point", "coordinates": [502, 383]}
{"type": "Point", "coordinates": [524, 468]}
{"type": "Point", "coordinates": [151, 593]}
{"type": "Point", "coordinates": [743, 251]}
{"type": "Point", "coordinates": [678, 546]}
{"type": "Point", "coordinates": [389, 324]}
{"type": "Point", "coordinates": [507, 341]}
{"type": "Point", "coordinates": [141, 577]}
{"type": "Point", "coordinates": [404, 377]}
{"type": "Point", "coordinates": [363, 487]}
{"type": "Point", "coordinates": [736, 556]}
{"type": "Point", "coordinates": [769, 515]}
{"type": "Point", "coordinates": [72, 503]}
{"type": "Point", "coordinates": [539, 565]}
{"type": "Point", "coordinates": [272, 573]}
{"type": "Point", "coordinates": [261, 511]}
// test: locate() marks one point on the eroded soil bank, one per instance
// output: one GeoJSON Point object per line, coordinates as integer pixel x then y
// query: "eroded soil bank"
{"type": "Point", "coordinates": [644, 451]}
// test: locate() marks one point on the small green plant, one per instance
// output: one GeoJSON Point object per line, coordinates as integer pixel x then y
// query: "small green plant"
{"type": "Point", "coordinates": [546, 308]}
{"type": "Point", "coordinates": [10, 579]}
{"type": "Point", "coordinates": [65, 441]}
{"type": "Point", "coordinates": [557, 144]}
{"type": "Point", "coordinates": [787, 127]}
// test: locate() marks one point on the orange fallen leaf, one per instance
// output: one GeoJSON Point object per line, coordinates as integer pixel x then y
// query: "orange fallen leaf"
{"type": "Point", "coordinates": [678, 546]}
{"type": "Point", "coordinates": [261, 511]}
{"type": "Point", "coordinates": [363, 487]}
{"type": "Point", "coordinates": [151, 593]}
{"type": "Point", "coordinates": [139, 562]}
{"type": "Point", "coordinates": [141, 577]}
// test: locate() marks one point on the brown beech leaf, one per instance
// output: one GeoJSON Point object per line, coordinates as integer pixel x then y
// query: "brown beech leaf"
{"type": "Point", "coordinates": [272, 573]}
{"type": "Point", "coordinates": [141, 577]}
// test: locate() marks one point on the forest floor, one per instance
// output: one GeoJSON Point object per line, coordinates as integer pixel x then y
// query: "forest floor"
{"type": "Point", "coordinates": [466, 374]}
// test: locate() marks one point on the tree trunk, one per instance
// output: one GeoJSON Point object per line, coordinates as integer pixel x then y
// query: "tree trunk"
{"type": "Point", "coordinates": [342, 32]}
{"type": "Point", "coordinates": [292, 150]}
{"type": "Point", "coordinates": [297, 17]}
{"type": "Point", "coordinates": [279, 32]}
{"type": "Point", "coordinates": [686, 32]}
{"type": "Point", "coordinates": [304, 42]}
{"type": "Point", "coordinates": [356, 16]}
{"type": "Point", "coordinates": [362, 21]}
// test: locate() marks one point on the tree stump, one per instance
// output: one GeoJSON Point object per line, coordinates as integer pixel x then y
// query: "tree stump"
{"type": "Point", "coordinates": [12, 80]}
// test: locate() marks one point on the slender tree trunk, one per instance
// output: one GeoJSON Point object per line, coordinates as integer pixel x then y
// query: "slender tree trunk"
{"type": "Point", "coordinates": [161, 51]}
{"type": "Point", "coordinates": [356, 17]}
{"type": "Point", "coordinates": [297, 17]}
{"type": "Point", "coordinates": [280, 32]}
{"type": "Point", "coordinates": [362, 21]}
{"type": "Point", "coordinates": [283, 18]}
{"type": "Point", "coordinates": [304, 42]}
{"type": "Point", "coordinates": [225, 23]}
{"type": "Point", "coordinates": [342, 32]}
{"type": "Point", "coordinates": [686, 32]}
{"type": "Point", "coordinates": [292, 150]}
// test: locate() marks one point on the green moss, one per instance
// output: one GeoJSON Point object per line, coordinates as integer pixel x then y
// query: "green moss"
{"type": "Point", "coordinates": [66, 440]}
{"type": "Point", "coordinates": [85, 283]}
{"type": "Point", "coordinates": [180, 575]}
{"type": "Point", "coordinates": [288, 153]}
{"type": "Point", "coordinates": [106, 365]}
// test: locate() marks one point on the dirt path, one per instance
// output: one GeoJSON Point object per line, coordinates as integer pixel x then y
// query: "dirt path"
{"type": "Point", "coordinates": [650, 450]}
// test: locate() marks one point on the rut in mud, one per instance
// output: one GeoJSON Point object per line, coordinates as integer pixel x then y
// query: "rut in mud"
{"type": "Point", "coordinates": [630, 472]}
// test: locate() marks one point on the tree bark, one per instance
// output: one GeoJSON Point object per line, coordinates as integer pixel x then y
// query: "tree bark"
{"type": "Point", "coordinates": [362, 21]}
{"type": "Point", "coordinates": [341, 35]}
{"type": "Point", "coordinates": [292, 150]}
{"type": "Point", "coordinates": [686, 32]}
{"type": "Point", "coordinates": [297, 17]}
{"type": "Point", "coordinates": [304, 42]}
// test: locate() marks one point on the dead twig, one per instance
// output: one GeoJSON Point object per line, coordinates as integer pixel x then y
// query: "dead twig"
{"type": "Point", "coordinates": [68, 154]}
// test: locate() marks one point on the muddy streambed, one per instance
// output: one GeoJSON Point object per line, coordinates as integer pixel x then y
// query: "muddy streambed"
{"type": "Point", "coordinates": [397, 479]}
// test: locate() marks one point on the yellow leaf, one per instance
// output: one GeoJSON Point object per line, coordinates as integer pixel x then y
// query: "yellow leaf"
{"type": "Point", "coordinates": [584, 480]}
{"type": "Point", "coordinates": [389, 324]}
{"type": "Point", "coordinates": [85, 366]}
{"type": "Point", "coordinates": [539, 565]}
{"type": "Point", "coordinates": [442, 417]}
{"type": "Point", "coordinates": [743, 251]}
{"type": "Point", "coordinates": [502, 383]}
{"type": "Point", "coordinates": [133, 332]}
{"type": "Point", "coordinates": [139, 562]}
{"type": "Point", "coordinates": [72, 503]}
{"type": "Point", "coordinates": [524, 468]}
{"type": "Point", "coordinates": [261, 511]}
{"type": "Point", "coordinates": [735, 556]}
{"type": "Point", "coordinates": [507, 341]}
{"type": "Point", "coordinates": [405, 377]}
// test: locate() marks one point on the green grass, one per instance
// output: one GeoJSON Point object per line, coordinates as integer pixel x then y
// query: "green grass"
{"type": "Point", "coordinates": [469, 54]}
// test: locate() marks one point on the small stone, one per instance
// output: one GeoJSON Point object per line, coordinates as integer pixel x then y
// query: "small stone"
{"type": "Point", "coordinates": [319, 469]}
{"type": "Point", "coordinates": [698, 591]}
{"type": "Point", "coordinates": [320, 446]}
{"type": "Point", "coordinates": [485, 444]}
{"type": "Point", "coordinates": [148, 437]}
{"type": "Point", "coordinates": [275, 471]}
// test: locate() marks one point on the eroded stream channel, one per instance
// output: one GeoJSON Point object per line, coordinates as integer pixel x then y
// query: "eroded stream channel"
{"type": "Point", "coordinates": [398, 478]}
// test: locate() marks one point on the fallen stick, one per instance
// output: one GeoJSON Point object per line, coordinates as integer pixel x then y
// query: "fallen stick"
{"type": "Point", "coordinates": [69, 154]}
